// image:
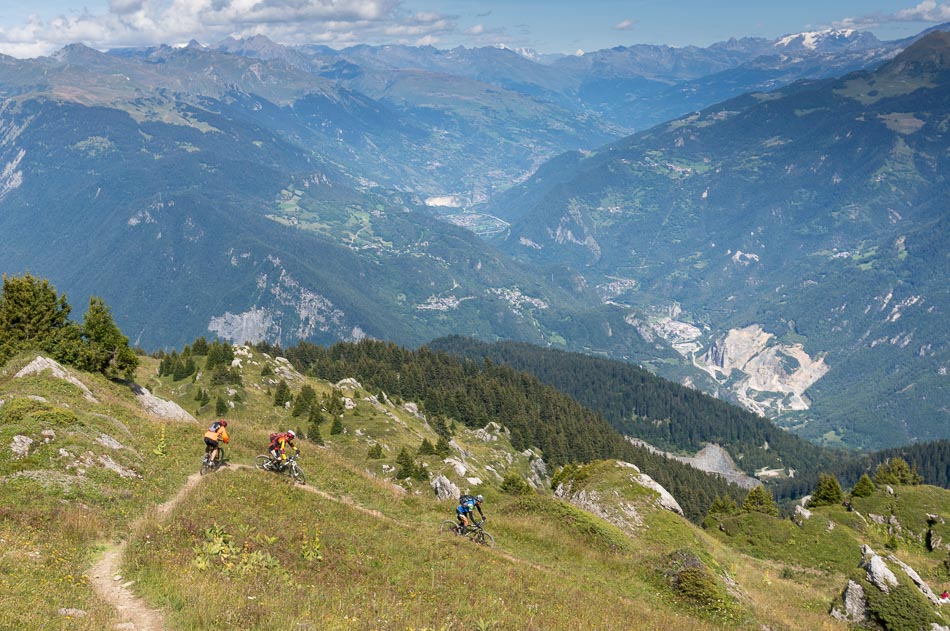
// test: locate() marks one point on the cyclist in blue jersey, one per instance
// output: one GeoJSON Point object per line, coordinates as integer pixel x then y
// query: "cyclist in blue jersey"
{"type": "Point", "coordinates": [465, 510]}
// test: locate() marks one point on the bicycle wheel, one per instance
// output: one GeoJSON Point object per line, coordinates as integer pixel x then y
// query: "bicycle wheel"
{"type": "Point", "coordinates": [483, 538]}
{"type": "Point", "coordinates": [448, 526]}
{"type": "Point", "coordinates": [262, 462]}
{"type": "Point", "coordinates": [206, 467]}
{"type": "Point", "coordinates": [296, 473]}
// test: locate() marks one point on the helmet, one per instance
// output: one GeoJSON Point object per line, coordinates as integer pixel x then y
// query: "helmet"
{"type": "Point", "coordinates": [223, 422]}
{"type": "Point", "coordinates": [291, 434]}
{"type": "Point", "coordinates": [479, 498]}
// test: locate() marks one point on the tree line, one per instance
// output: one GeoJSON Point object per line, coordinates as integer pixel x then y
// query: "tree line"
{"type": "Point", "coordinates": [474, 394]}
{"type": "Point", "coordinates": [34, 317]}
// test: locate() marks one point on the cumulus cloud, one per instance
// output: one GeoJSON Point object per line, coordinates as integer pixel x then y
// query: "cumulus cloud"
{"type": "Point", "coordinates": [152, 22]}
{"type": "Point", "coordinates": [926, 11]}
{"type": "Point", "coordinates": [624, 25]}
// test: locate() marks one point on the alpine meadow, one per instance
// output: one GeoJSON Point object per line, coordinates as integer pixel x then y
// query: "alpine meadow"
{"type": "Point", "coordinates": [645, 337]}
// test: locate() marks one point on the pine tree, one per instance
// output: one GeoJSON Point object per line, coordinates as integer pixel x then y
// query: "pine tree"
{"type": "Point", "coordinates": [375, 452]}
{"type": "Point", "coordinates": [282, 394]}
{"type": "Point", "coordinates": [426, 448]}
{"type": "Point", "coordinates": [864, 487]}
{"type": "Point", "coordinates": [723, 506]}
{"type": "Point", "coordinates": [200, 346]}
{"type": "Point", "coordinates": [337, 427]}
{"type": "Point", "coordinates": [108, 350]}
{"type": "Point", "coordinates": [405, 466]}
{"type": "Point", "coordinates": [314, 434]}
{"type": "Point", "coordinates": [760, 500]}
{"type": "Point", "coordinates": [303, 401]}
{"type": "Point", "coordinates": [442, 446]}
{"type": "Point", "coordinates": [220, 407]}
{"type": "Point", "coordinates": [33, 316]}
{"type": "Point", "coordinates": [827, 493]}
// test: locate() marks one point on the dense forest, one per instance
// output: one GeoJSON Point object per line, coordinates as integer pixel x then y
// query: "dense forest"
{"type": "Point", "coordinates": [474, 393]}
{"type": "Point", "coordinates": [640, 404]}
{"type": "Point", "coordinates": [679, 419]}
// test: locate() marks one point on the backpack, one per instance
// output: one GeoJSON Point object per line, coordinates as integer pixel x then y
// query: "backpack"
{"type": "Point", "coordinates": [466, 499]}
{"type": "Point", "coordinates": [214, 427]}
{"type": "Point", "coordinates": [273, 439]}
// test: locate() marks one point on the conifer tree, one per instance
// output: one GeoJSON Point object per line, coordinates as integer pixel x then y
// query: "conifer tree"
{"type": "Point", "coordinates": [314, 435]}
{"type": "Point", "coordinates": [442, 446]}
{"type": "Point", "coordinates": [220, 407]}
{"type": "Point", "coordinates": [108, 350]}
{"type": "Point", "coordinates": [32, 316]}
{"type": "Point", "coordinates": [316, 417]}
{"type": "Point", "coordinates": [375, 452]}
{"type": "Point", "coordinates": [200, 346]}
{"type": "Point", "coordinates": [337, 427]}
{"type": "Point", "coordinates": [827, 493]}
{"type": "Point", "coordinates": [864, 487]}
{"type": "Point", "coordinates": [282, 394]}
{"type": "Point", "coordinates": [304, 400]}
{"type": "Point", "coordinates": [405, 466]}
{"type": "Point", "coordinates": [723, 506]}
{"type": "Point", "coordinates": [426, 448]}
{"type": "Point", "coordinates": [760, 500]}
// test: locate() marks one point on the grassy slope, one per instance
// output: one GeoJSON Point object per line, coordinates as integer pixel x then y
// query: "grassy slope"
{"type": "Point", "coordinates": [351, 550]}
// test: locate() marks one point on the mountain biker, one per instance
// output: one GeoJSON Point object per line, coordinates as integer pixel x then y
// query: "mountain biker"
{"type": "Point", "coordinates": [215, 434]}
{"type": "Point", "coordinates": [464, 511]}
{"type": "Point", "coordinates": [278, 447]}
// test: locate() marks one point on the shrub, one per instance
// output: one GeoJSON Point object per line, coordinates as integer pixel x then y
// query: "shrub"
{"type": "Point", "coordinates": [375, 452]}
{"type": "Point", "coordinates": [690, 578]}
{"type": "Point", "coordinates": [515, 484]}
{"type": "Point", "coordinates": [902, 609]}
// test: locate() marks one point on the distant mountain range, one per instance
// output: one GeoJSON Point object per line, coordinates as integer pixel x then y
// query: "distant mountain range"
{"type": "Point", "coordinates": [788, 241]}
{"type": "Point", "coordinates": [258, 191]}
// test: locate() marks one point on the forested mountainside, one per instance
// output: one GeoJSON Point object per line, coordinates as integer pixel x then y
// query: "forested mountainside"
{"type": "Point", "coordinates": [473, 393]}
{"type": "Point", "coordinates": [791, 244]}
{"type": "Point", "coordinates": [669, 416]}
{"type": "Point", "coordinates": [107, 522]}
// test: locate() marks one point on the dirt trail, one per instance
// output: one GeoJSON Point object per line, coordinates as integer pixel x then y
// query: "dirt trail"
{"type": "Point", "coordinates": [136, 615]}
{"type": "Point", "coordinates": [106, 579]}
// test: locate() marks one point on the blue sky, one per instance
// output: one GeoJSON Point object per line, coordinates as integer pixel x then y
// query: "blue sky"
{"type": "Point", "coordinates": [30, 28]}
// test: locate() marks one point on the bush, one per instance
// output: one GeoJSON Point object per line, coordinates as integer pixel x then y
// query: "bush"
{"type": "Point", "coordinates": [690, 578]}
{"type": "Point", "coordinates": [515, 484]}
{"type": "Point", "coordinates": [903, 609]}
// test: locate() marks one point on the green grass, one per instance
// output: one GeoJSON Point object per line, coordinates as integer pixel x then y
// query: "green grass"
{"type": "Point", "coordinates": [355, 549]}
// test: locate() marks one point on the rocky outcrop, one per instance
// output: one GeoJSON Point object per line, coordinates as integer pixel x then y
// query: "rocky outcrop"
{"type": "Point", "coordinates": [444, 488]}
{"type": "Point", "coordinates": [775, 376]}
{"type": "Point", "coordinates": [878, 574]}
{"type": "Point", "coordinates": [161, 408]}
{"type": "Point", "coordinates": [855, 605]}
{"type": "Point", "coordinates": [42, 364]}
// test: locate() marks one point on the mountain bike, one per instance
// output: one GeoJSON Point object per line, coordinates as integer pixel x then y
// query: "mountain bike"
{"type": "Point", "coordinates": [473, 532]}
{"type": "Point", "coordinates": [208, 465]}
{"type": "Point", "coordinates": [289, 466]}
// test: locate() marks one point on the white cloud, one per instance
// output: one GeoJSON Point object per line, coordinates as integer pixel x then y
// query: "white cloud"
{"type": "Point", "coordinates": [152, 22]}
{"type": "Point", "coordinates": [478, 29]}
{"type": "Point", "coordinates": [925, 11]}
{"type": "Point", "coordinates": [624, 25]}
